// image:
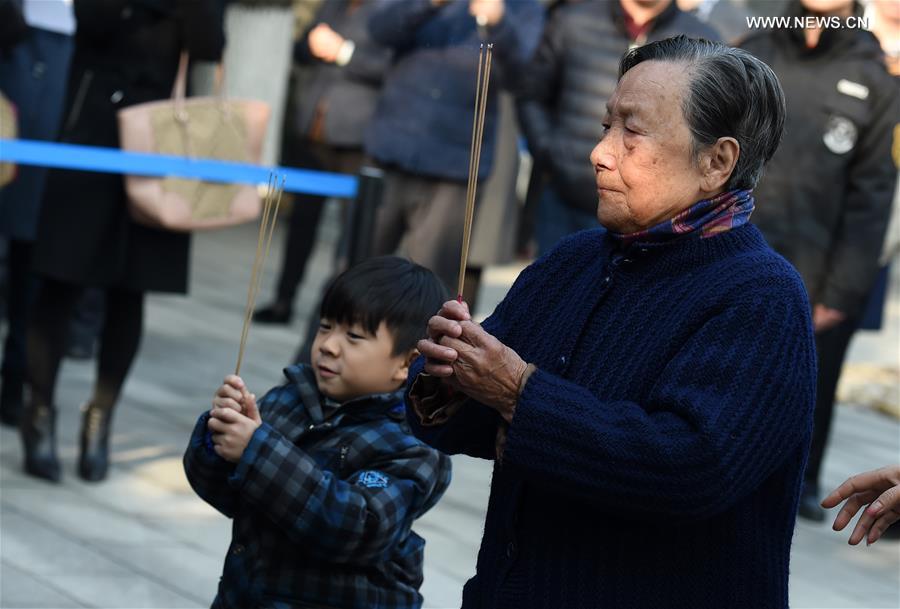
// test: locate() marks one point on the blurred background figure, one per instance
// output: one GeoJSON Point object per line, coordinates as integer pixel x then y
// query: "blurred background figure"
{"type": "Point", "coordinates": [421, 131]}
{"type": "Point", "coordinates": [35, 49]}
{"type": "Point", "coordinates": [727, 17]}
{"type": "Point", "coordinates": [126, 52]}
{"type": "Point", "coordinates": [563, 94]}
{"type": "Point", "coordinates": [257, 60]}
{"type": "Point", "coordinates": [884, 21]}
{"type": "Point", "coordinates": [825, 199]}
{"type": "Point", "coordinates": [334, 103]}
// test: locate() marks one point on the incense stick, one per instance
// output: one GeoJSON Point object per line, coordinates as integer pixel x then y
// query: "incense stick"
{"type": "Point", "coordinates": [481, 91]}
{"type": "Point", "coordinates": [271, 203]}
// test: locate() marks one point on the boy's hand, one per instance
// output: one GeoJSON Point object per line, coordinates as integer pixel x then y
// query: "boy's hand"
{"type": "Point", "coordinates": [232, 394]}
{"type": "Point", "coordinates": [231, 430]}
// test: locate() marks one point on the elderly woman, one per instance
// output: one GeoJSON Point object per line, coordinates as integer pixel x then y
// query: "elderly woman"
{"type": "Point", "coordinates": [647, 393]}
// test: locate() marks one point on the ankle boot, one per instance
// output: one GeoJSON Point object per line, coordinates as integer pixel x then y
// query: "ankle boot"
{"type": "Point", "coordinates": [93, 463]}
{"type": "Point", "coordinates": [38, 429]}
{"type": "Point", "coordinates": [11, 398]}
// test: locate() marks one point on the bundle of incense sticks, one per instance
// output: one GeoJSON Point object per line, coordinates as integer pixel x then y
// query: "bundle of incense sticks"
{"type": "Point", "coordinates": [274, 190]}
{"type": "Point", "coordinates": [481, 93]}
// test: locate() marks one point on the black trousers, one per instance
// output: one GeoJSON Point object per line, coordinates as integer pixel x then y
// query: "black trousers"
{"type": "Point", "coordinates": [48, 332]}
{"type": "Point", "coordinates": [21, 291]}
{"type": "Point", "coordinates": [831, 348]}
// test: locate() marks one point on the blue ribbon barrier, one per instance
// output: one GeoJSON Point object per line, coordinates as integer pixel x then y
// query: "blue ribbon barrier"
{"type": "Point", "coordinates": [114, 160]}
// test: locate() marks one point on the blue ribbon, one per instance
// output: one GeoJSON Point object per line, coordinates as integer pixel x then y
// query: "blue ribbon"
{"type": "Point", "coordinates": [113, 160]}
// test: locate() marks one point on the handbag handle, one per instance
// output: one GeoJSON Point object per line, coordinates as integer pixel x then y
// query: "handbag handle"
{"type": "Point", "coordinates": [179, 88]}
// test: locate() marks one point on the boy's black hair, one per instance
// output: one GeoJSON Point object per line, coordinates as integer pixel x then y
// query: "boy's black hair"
{"type": "Point", "coordinates": [389, 289]}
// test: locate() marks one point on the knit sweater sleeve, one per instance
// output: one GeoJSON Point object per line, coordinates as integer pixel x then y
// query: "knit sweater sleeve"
{"type": "Point", "coordinates": [720, 417]}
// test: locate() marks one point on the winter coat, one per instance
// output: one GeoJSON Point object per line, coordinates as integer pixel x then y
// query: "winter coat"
{"type": "Point", "coordinates": [648, 464]}
{"type": "Point", "coordinates": [344, 95]}
{"type": "Point", "coordinates": [423, 121]}
{"type": "Point", "coordinates": [126, 52]}
{"type": "Point", "coordinates": [825, 198]}
{"type": "Point", "coordinates": [322, 507]}
{"type": "Point", "coordinates": [33, 76]}
{"type": "Point", "coordinates": [563, 93]}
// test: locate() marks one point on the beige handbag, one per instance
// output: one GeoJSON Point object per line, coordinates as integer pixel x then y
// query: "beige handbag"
{"type": "Point", "coordinates": [8, 130]}
{"type": "Point", "coordinates": [197, 127]}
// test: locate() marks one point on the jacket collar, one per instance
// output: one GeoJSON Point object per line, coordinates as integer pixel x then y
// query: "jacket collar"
{"type": "Point", "coordinates": [362, 408]}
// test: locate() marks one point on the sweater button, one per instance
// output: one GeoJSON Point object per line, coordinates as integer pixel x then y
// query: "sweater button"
{"type": "Point", "coordinates": [562, 360]}
{"type": "Point", "coordinates": [510, 549]}
{"type": "Point", "coordinates": [238, 549]}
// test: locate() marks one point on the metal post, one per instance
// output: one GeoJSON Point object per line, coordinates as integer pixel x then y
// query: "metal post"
{"type": "Point", "coordinates": [362, 215]}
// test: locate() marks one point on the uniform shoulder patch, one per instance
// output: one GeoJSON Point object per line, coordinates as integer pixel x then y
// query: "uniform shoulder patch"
{"type": "Point", "coordinates": [372, 479]}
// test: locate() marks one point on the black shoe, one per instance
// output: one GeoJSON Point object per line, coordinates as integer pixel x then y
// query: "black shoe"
{"type": "Point", "coordinates": [93, 464]}
{"type": "Point", "coordinates": [276, 313]}
{"type": "Point", "coordinates": [810, 509]}
{"type": "Point", "coordinates": [38, 429]}
{"type": "Point", "coordinates": [11, 399]}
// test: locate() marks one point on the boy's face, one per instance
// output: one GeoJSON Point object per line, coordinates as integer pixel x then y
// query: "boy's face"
{"type": "Point", "coordinates": [349, 362]}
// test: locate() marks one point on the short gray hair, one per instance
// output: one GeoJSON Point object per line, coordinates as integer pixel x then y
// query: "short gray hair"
{"type": "Point", "coordinates": [731, 94]}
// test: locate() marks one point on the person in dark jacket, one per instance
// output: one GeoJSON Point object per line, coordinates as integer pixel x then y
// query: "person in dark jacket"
{"type": "Point", "coordinates": [335, 104]}
{"type": "Point", "coordinates": [642, 459]}
{"type": "Point", "coordinates": [324, 479]}
{"type": "Point", "coordinates": [126, 52]}
{"type": "Point", "coordinates": [826, 197]}
{"type": "Point", "coordinates": [562, 97]}
{"type": "Point", "coordinates": [421, 131]}
{"type": "Point", "coordinates": [34, 62]}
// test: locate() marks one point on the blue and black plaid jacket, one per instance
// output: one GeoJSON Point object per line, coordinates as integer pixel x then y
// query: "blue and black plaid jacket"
{"type": "Point", "coordinates": [322, 509]}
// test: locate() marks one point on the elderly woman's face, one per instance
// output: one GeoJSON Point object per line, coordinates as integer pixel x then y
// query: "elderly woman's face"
{"type": "Point", "coordinates": [643, 160]}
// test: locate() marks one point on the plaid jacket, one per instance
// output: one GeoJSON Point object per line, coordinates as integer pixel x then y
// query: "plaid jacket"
{"type": "Point", "coordinates": [322, 509]}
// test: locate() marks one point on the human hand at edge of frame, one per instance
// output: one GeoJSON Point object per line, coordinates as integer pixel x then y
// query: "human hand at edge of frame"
{"type": "Point", "coordinates": [446, 322]}
{"type": "Point", "coordinates": [231, 430]}
{"type": "Point", "coordinates": [233, 394]}
{"type": "Point", "coordinates": [879, 490]}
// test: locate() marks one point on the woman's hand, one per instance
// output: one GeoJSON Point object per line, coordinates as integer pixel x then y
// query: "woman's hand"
{"type": "Point", "coordinates": [880, 490]}
{"type": "Point", "coordinates": [446, 323]}
{"type": "Point", "coordinates": [485, 369]}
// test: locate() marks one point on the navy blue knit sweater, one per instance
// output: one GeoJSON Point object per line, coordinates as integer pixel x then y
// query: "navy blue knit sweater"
{"type": "Point", "coordinates": [654, 460]}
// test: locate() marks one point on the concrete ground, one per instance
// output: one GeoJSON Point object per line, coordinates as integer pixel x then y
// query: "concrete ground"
{"type": "Point", "coordinates": [142, 539]}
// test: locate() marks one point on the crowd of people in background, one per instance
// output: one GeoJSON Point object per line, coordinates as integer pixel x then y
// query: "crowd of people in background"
{"type": "Point", "coordinates": [391, 83]}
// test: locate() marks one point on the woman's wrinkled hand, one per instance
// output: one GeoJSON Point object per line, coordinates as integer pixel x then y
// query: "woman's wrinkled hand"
{"type": "Point", "coordinates": [484, 368]}
{"type": "Point", "coordinates": [438, 358]}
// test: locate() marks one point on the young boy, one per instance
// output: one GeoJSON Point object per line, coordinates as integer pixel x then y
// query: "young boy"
{"type": "Point", "coordinates": [322, 477]}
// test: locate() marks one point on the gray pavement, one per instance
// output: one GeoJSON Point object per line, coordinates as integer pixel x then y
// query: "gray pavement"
{"type": "Point", "coordinates": [143, 540]}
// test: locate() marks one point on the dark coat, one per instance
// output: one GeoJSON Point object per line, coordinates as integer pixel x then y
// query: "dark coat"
{"type": "Point", "coordinates": [33, 76]}
{"type": "Point", "coordinates": [345, 94]}
{"type": "Point", "coordinates": [649, 464]}
{"type": "Point", "coordinates": [423, 122]}
{"type": "Point", "coordinates": [126, 52]}
{"type": "Point", "coordinates": [322, 506]}
{"type": "Point", "coordinates": [825, 198]}
{"type": "Point", "coordinates": [563, 93]}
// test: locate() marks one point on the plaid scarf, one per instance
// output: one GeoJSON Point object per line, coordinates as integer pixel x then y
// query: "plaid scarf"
{"type": "Point", "coordinates": [703, 219]}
